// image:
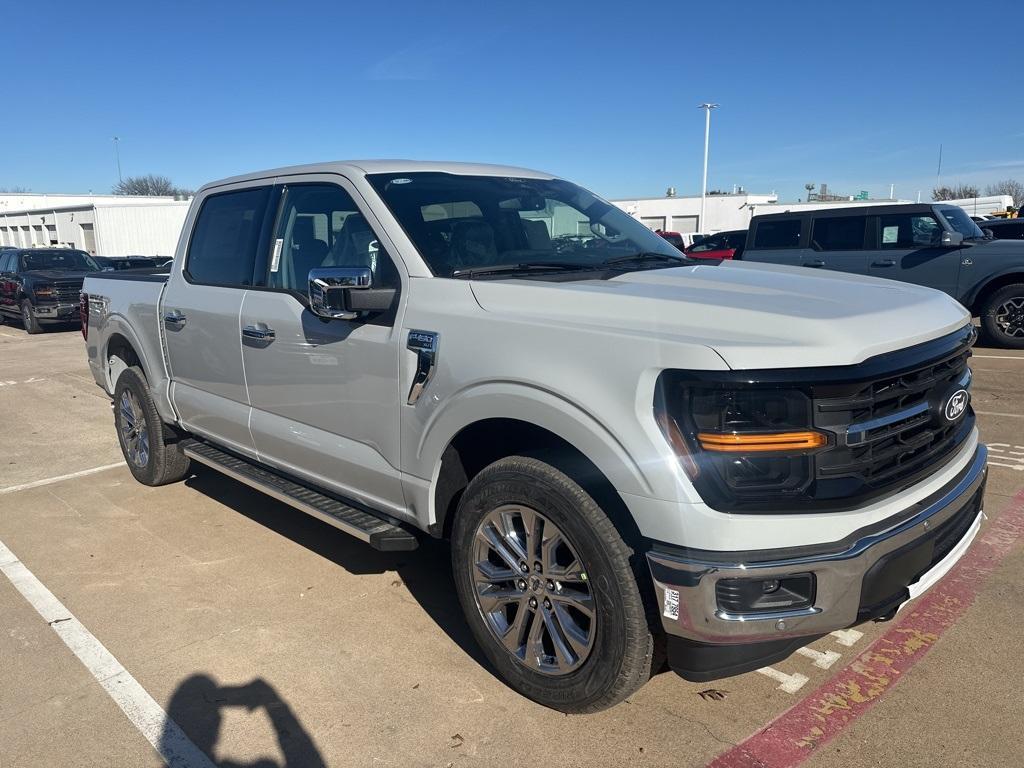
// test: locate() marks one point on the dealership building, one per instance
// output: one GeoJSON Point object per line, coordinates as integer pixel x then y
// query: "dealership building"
{"type": "Point", "coordinates": [103, 225]}
{"type": "Point", "coordinates": [674, 213]}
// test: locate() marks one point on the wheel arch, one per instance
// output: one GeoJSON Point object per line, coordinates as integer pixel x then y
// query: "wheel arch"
{"type": "Point", "coordinates": [122, 348]}
{"type": "Point", "coordinates": [980, 294]}
{"type": "Point", "coordinates": [483, 442]}
{"type": "Point", "coordinates": [486, 422]}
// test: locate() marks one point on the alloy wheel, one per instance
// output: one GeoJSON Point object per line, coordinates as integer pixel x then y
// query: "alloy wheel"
{"type": "Point", "coordinates": [133, 429]}
{"type": "Point", "coordinates": [532, 590]}
{"type": "Point", "coordinates": [1009, 316]}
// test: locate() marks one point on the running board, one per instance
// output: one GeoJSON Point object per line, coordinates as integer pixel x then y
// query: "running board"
{"type": "Point", "coordinates": [375, 531]}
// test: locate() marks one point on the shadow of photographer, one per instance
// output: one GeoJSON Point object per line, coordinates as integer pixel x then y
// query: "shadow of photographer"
{"type": "Point", "coordinates": [197, 707]}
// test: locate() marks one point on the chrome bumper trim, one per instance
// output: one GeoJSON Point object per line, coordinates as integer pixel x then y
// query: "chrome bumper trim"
{"type": "Point", "coordinates": [685, 586]}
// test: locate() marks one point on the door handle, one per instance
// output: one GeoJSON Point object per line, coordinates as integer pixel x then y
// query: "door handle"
{"type": "Point", "coordinates": [884, 263]}
{"type": "Point", "coordinates": [174, 320]}
{"type": "Point", "coordinates": [259, 332]}
{"type": "Point", "coordinates": [815, 263]}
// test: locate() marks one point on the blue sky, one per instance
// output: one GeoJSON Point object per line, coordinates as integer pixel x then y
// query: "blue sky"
{"type": "Point", "coordinates": [855, 94]}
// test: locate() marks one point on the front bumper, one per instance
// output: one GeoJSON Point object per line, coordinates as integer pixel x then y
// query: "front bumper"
{"type": "Point", "coordinates": [869, 575]}
{"type": "Point", "coordinates": [62, 313]}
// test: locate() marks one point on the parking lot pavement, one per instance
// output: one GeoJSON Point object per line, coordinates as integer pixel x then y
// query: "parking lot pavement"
{"type": "Point", "coordinates": [263, 633]}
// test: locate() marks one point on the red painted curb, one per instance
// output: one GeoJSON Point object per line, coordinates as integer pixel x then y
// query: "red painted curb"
{"type": "Point", "coordinates": [797, 733]}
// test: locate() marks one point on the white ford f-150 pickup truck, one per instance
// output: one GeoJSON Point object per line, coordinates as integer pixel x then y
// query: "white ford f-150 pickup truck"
{"type": "Point", "coordinates": [638, 459]}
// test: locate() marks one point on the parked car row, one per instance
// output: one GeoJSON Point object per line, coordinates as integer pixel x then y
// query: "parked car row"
{"type": "Point", "coordinates": [41, 286]}
{"type": "Point", "coordinates": [634, 457]}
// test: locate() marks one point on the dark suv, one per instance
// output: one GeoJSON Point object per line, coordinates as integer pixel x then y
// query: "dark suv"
{"type": "Point", "coordinates": [42, 285]}
{"type": "Point", "coordinates": [935, 245]}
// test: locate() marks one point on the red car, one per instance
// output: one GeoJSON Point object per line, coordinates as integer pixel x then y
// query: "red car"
{"type": "Point", "coordinates": [673, 237]}
{"type": "Point", "coordinates": [721, 245]}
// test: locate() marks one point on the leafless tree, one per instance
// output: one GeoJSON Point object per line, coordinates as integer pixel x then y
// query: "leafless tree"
{"type": "Point", "coordinates": [1010, 187]}
{"type": "Point", "coordinates": [150, 184]}
{"type": "Point", "coordinates": [956, 192]}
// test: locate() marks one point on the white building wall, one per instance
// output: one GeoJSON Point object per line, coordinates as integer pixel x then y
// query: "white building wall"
{"type": "Point", "coordinates": [12, 202]}
{"type": "Point", "coordinates": [139, 230]}
{"type": "Point", "coordinates": [111, 230]}
{"type": "Point", "coordinates": [682, 214]}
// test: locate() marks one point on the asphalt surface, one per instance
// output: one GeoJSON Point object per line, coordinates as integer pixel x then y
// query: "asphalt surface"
{"type": "Point", "coordinates": [271, 639]}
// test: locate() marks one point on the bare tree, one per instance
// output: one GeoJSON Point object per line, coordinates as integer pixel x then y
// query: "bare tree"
{"type": "Point", "coordinates": [150, 184]}
{"type": "Point", "coordinates": [1010, 187]}
{"type": "Point", "coordinates": [956, 192]}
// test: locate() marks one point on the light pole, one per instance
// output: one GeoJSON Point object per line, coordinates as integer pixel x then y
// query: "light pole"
{"type": "Point", "coordinates": [117, 155]}
{"type": "Point", "coordinates": [707, 107]}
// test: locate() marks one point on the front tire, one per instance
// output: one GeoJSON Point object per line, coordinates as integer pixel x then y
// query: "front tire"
{"type": "Point", "coordinates": [150, 450]}
{"type": "Point", "coordinates": [28, 318]}
{"type": "Point", "coordinates": [1002, 317]}
{"type": "Point", "coordinates": [545, 582]}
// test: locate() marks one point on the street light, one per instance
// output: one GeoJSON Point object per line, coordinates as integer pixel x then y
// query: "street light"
{"type": "Point", "coordinates": [117, 154]}
{"type": "Point", "coordinates": [707, 107]}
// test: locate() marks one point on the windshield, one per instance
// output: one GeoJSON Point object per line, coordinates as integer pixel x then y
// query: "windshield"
{"type": "Point", "coordinates": [460, 223]}
{"type": "Point", "coordinates": [61, 260]}
{"type": "Point", "coordinates": [961, 222]}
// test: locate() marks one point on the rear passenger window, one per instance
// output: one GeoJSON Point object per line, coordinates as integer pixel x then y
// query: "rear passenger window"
{"type": "Point", "coordinates": [904, 230]}
{"type": "Point", "coordinates": [839, 233]}
{"type": "Point", "coordinates": [777, 234]}
{"type": "Point", "coordinates": [227, 231]}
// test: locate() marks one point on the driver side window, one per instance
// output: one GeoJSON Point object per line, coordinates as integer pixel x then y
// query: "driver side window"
{"type": "Point", "coordinates": [319, 225]}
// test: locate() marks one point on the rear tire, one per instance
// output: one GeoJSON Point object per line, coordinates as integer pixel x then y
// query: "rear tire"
{"type": "Point", "coordinates": [570, 631]}
{"type": "Point", "coordinates": [28, 319]}
{"type": "Point", "coordinates": [150, 449]}
{"type": "Point", "coordinates": [1002, 317]}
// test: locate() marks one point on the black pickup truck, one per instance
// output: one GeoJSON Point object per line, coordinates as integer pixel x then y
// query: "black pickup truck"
{"type": "Point", "coordinates": [41, 286]}
{"type": "Point", "coordinates": [930, 244]}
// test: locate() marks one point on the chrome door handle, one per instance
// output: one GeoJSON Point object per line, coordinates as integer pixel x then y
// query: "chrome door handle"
{"type": "Point", "coordinates": [884, 263]}
{"type": "Point", "coordinates": [174, 320]}
{"type": "Point", "coordinates": [259, 332]}
{"type": "Point", "coordinates": [815, 263]}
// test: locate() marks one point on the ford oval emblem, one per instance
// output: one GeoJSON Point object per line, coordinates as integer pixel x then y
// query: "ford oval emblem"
{"type": "Point", "coordinates": [956, 405]}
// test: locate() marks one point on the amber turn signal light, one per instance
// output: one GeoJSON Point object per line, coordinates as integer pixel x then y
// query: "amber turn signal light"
{"type": "Point", "coordinates": [748, 443]}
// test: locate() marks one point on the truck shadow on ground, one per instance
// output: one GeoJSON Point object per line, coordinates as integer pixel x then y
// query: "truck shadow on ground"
{"type": "Point", "coordinates": [425, 572]}
{"type": "Point", "coordinates": [197, 708]}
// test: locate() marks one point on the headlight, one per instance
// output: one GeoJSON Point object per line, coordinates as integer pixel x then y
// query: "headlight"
{"type": "Point", "coordinates": [43, 292]}
{"type": "Point", "coordinates": [745, 447]}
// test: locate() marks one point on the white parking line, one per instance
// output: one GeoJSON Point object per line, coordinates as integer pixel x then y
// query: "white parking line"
{"type": "Point", "coordinates": [997, 413]}
{"type": "Point", "coordinates": [788, 683]}
{"type": "Point", "coordinates": [59, 478]}
{"type": "Point", "coordinates": [167, 738]}
{"type": "Point", "coordinates": [847, 637]}
{"type": "Point", "coordinates": [822, 659]}
{"type": "Point", "coordinates": [997, 357]}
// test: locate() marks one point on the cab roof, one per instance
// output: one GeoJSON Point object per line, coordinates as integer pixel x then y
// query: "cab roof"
{"type": "Point", "coordinates": [364, 167]}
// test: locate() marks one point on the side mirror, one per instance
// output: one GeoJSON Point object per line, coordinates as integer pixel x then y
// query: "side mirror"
{"type": "Point", "coordinates": [346, 293]}
{"type": "Point", "coordinates": [952, 239]}
{"type": "Point", "coordinates": [989, 235]}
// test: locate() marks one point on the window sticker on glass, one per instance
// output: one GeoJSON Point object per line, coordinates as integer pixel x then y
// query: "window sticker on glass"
{"type": "Point", "coordinates": [890, 235]}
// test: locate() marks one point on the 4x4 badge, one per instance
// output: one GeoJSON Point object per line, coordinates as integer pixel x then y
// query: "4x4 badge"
{"type": "Point", "coordinates": [956, 405]}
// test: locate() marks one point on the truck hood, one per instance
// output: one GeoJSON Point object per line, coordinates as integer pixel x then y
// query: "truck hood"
{"type": "Point", "coordinates": [753, 315]}
{"type": "Point", "coordinates": [57, 274]}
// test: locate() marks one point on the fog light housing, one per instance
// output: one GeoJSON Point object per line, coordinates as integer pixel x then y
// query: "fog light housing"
{"type": "Point", "coordinates": [771, 595]}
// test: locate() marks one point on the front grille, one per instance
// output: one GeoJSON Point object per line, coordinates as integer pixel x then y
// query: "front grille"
{"type": "Point", "coordinates": [892, 428]}
{"type": "Point", "coordinates": [68, 293]}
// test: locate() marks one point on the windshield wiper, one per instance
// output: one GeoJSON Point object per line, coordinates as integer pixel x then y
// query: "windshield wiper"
{"type": "Point", "coordinates": [644, 256]}
{"type": "Point", "coordinates": [529, 266]}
